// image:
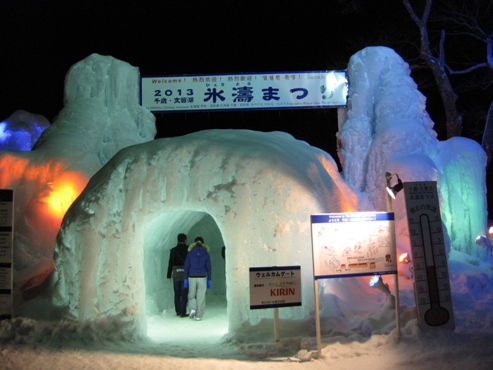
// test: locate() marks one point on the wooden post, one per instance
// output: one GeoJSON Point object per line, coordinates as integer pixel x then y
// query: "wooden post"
{"type": "Point", "coordinates": [388, 177]}
{"type": "Point", "coordinates": [276, 324]}
{"type": "Point", "coordinates": [317, 323]}
{"type": "Point", "coordinates": [397, 307]}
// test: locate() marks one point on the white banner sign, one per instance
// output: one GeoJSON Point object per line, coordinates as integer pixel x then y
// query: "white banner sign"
{"type": "Point", "coordinates": [353, 243]}
{"type": "Point", "coordinates": [275, 287]}
{"type": "Point", "coordinates": [276, 90]}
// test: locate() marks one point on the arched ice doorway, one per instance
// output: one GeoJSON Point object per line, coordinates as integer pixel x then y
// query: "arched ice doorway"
{"type": "Point", "coordinates": [160, 236]}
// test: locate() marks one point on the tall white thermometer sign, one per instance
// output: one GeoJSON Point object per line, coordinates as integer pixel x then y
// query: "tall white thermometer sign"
{"type": "Point", "coordinates": [431, 277]}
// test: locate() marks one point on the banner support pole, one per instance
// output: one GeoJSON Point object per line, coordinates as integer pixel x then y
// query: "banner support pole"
{"type": "Point", "coordinates": [276, 324]}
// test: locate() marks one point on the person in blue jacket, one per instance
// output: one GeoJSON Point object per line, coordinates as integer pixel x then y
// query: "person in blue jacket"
{"type": "Point", "coordinates": [198, 278]}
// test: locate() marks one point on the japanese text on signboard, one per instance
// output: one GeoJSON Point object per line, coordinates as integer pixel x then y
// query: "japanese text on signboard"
{"type": "Point", "coordinates": [275, 287]}
{"type": "Point", "coordinates": [287, 90]}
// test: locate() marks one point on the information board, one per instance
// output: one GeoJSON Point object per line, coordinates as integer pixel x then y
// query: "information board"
{"type": "Point", "coordinates": [6, 243]}
{"type": "Point", "coordinates": [273, 90]}
{"type": "Point", "coordinates": [429, 257]}
{"type": "Point", "coordinates": [275, 287]}
{"type": "Point", "coordinates": [353, 244]}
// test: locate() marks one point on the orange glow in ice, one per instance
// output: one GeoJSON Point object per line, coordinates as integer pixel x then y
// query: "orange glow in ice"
{"type": "Point", "coordinates": [52, 188]}
{"type": "Point", "coordinates": [60, 199]}
{"type": "Point", "coordinates": [63, 191]}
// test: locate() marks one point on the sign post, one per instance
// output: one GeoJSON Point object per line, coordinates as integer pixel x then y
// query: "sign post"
{"type": "Point", "coordinates": [6, 243]}
{"type": "Point", "coordinates": [352, 244]}
{"type": "Point", "coordinates": [274, 287]}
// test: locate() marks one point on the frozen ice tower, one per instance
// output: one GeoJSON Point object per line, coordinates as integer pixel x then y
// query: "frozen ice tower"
{"type": "Point", "coordinates": [101, 115]}
{"type": "Point", "coordinates": [388, 130]}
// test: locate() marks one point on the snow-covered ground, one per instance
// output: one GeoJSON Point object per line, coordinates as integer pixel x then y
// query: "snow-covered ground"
{"type": "Point", "coordinates": [180, 343]}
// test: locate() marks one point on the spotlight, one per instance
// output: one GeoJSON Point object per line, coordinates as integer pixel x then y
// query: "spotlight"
{"type": "Point", "coordinates": [396, 188]}
{"type": "Point", "coordinates": [483, 241]}
{"type": "Point", "coordinates": [377, 283]}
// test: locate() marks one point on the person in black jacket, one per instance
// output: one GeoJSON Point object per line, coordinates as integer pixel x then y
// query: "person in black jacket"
{"type": "Point", "coordinates": [176, 267]}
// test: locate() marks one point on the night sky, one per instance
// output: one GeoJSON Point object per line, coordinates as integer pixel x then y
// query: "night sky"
{"type": "Point", "coordinates": [41, 40]}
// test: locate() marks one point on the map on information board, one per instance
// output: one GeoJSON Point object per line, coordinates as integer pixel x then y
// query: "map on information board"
{"type": "Point", "coordinates": [353, 243]}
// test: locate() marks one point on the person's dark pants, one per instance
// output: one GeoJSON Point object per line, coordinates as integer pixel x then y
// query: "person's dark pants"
{"type": "Point", "coordinates": [181, 297]}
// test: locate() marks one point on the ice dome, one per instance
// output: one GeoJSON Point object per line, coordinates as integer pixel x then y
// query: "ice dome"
{"type": "Point", "coordinates": [247, 190]}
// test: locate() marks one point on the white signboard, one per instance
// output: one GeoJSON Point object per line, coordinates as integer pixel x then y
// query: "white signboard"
{"type": "Point", "coordinates": [353, 243]}
{"type": "Point", "coordinates": [275, 90]}
{"type": "Point", "coordinates": [6, 242]}
{"type": "Point", "coordinates": [275, 287]}
{"type": "Point", "coordinates": [429, 256]}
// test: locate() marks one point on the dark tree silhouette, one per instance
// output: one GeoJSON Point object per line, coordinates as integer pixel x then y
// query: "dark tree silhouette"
{"type": "Point", "coordinates": [436, 63]}
{"type": "Point", "coordinates": [469, 29]}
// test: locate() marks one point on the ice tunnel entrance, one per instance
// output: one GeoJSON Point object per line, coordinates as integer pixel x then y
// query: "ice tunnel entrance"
{"type": "Point", "coordinates": [160, 236]}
